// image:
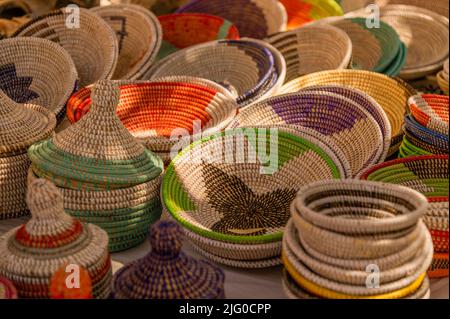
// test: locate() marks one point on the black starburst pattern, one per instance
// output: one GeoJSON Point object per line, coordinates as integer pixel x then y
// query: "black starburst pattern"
{"type": "Point", "coordinates": [16, 87]}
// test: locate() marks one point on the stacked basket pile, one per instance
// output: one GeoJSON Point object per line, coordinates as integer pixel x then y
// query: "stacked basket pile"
{"type": "Point", "coordinates": [305, 50]}
{"type": "Point", "coordinates": [251, 69]}
{"type": "Point", "coordinates": [167, 273]}
{"type": "Point", "coordinates": [154, 111]}
{"type": "Point", "coordinates": [357, 239]}
{"type": "Point", "coordinates": [106, 177]}
{"type": "Point", "coordinates": [232, 198]}
{"type": "Point", "coordinates": [442, 77]}
{"type": "Point", "coordinates": [139, 37]}
{"type": "Point", "coordinates": [20, 127]}
{"type": "Point", "coordinates": [426, 128]}
{"type": "Point", "coordinates": [428, 175]}
{"type": "Point", "coordinates": [33, 252]}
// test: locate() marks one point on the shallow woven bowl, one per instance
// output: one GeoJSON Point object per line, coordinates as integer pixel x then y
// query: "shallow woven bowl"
{"type": "Point", "coordinates": [139, 37]}
{"type": "Point", "coordinates": [248, 68]}
{"type": "Point", "coordinates": [300, 12]}
{"type": "Point", "coordinates": [348, 124]}
{"type": "Point", "coordinates": [93, 45]}
{"type": "Point", "coordinates": [437, 6]}
{"type": "Point", "coordinates": [152, 111]}
{"type": "Point", "coordinates": [391, 93]}
{"type": "Point", "coordinates": [424, 134]}
{"type": "Point", "coordinates": [306, 49]}
{"type": "Point", "coordinates": [253, 18]}
{"type": "Point", "coordinates": [48, 82]}
{"type": "Point", "coordinates": [431, 111]}
{"type": "Point", "coordinates": [183, 30]}
{"type": "Point", "coordinates": [211, 190]}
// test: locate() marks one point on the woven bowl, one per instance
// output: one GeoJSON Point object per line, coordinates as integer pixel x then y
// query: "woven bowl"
{"type": "Point", "coordinates": [139, 36]}
{"type": "Point", "coordinates": [431, 111]}
{"type": "Point", "coordinates": [183, 30]}
{"type": "Point", "coordinates": [306, 49]}
{"type": "Point", "coordinates": [7, 289]}
{"type": "Point", "coordinates": [433, 138]}
{"type": "Point", "coordinates": [442, 82]}
{"type": "Point", "coordinates": [437, 6]}
{"type": "Point", "coordinates": [331, 115]}
{"type": "Point", "coordinates": [209, 193]}
{"type": "Point", "coordinates": [300, 12]}
{"type": "Point", "coordinates": [409, 148]}
{"type": "Point", "coordinates": [93, 45]}
{"type": "Point", "coordinates": [153, 111]}
{"type": "Point", "coordinates": [251, 69]}
{"type": "Point", "coordinates": [439, 267]}
{"type": "Point", "coordinates": [48, 83]}
{"type": "Point", "coordinates": [253, 18]}
{"type": "Point", "coordinates": [391, 93]}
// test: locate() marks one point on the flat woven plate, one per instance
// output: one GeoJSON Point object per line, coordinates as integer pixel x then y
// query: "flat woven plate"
{"type": "Point", "coordinates": [431, 111]}
{"type": "Point", "coordinates": [225, 193]}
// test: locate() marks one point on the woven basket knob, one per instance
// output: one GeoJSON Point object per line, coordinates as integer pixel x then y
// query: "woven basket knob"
{"type": "Point", "coordinates": [44, 199]}
{"type": "Point", "coordinates": [105, 97]}
{"type": "Point", "coordinates": [166, 238]}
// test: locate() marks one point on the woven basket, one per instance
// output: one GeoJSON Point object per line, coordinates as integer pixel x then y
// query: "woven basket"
{"type": "Point", "coordinates": [306, 49]}
{"type": "Point", "coordinates": [50, 240]}
{"type": "Point", "coordinates": [139, 36]}
{"type": "Point", "coordinates": [433, 138]}
{"type": "Point", "coordinates": [253, 18]}
{"type": "Point", "coordinates": [437, 6]}
{"type": "Point", "coordinates": [93, 45]}
{"type": "Point", "coordinates": [48, 83]}
{"type": "Point", "coordinates": [7, 289]}
{"type": "Point", "coordinates": [391, 93]}
{"type": "Point", "coordinates": [300, 12]}
{"type": "Point", "coordinates": [439, 267]}
{"type": "Point", "coordinates": [212, 198]}
{"type": "Point", "coordinates": [443, 82]}
{"type": "Point", "coordinates": [248, 68]}
{"type": "Point", "coordinates": [361, 144]}
{"type": "Point", "coordinates": [431, 111]}
{"type": "Point", "coordinates": [183, 30]}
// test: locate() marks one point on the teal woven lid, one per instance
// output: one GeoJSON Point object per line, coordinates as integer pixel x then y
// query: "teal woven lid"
{"type": "Point", "coordinates": [97, 152]}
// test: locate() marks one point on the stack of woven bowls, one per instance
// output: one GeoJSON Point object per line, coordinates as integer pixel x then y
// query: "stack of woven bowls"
{"type": "Point", "coordinates": [167, 273]}
{"type": "Point", "coordinates": [357, 239]}
{"type": "Point", "coordinates": [20, 127]}
{"type": "Point", "coordinates": [305, 49]}
{"type": "Point", "coordinates": [349, 118]}
{"type": "Point", "coordinates": [374, 49]}
{"type": "Point", "coordinates": [154, 111]}
{"type": "Point", "coordinates": [91, 42]}
{"type": "Point", "coordinates": [7, 289]}
{"type": "Point", "coordinates": [139, 37]}
{"type": "Point", "coordinates": [105, 175]}
{"type": "Point", "coordinates": [30, 254]}
{"type": "Point", "coordinates": [231, 191]}
{"type": "Point", "coordinates": [428, 175]}
{"type": "Point", "coordinates": [300, 12]}
{"type": "Point", "coordinates": [254, 18]}
{"type": "Point", "coordinates": [48, 83]}
{"type": "Point", "coordinates": [442, 78]}
{"type": "Point", "coordinates": [391, 94]}
{"type": "Point", "coordinates": [426, 128]}
{"type": "Point", "coordinates": [182, 30]}
{"type": "Point", "coordinates": [250, 69]}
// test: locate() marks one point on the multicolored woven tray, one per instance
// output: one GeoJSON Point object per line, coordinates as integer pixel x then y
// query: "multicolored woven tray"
{"type": "Point", "coordinates": [254, 18]}
{"type": "Point", "coordinates": [182, 30]}
{"type": "Point", "coordinates": [139, 36]}
{"type": "Point", "coordinates": [48, 83]}
{"type": "Point", "coordinates": [49, 240]}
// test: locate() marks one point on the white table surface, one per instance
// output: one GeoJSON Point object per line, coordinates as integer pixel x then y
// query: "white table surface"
{"type": "Point", "coordinates": [239, 284]}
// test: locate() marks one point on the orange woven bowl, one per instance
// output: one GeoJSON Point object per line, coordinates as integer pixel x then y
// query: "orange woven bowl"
{"type": "Point", "coordinates": [182, 30]}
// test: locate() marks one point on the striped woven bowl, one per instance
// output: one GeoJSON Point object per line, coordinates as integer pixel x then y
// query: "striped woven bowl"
{"type": "Point", "coordinates": [251, 69]}
{"type": "Point", "coordinates": [391, 93]}
{"type": "Point", "coordinates": [48, 83]}
{"type": "Point", "coordinates": [431, 111]}
{"type": "Point", "coordinates": [211, 190]}
{"type": "Point", "coordinates": [153, 111]}
{"type": "Point", "coordinates": [183, 30]}
{"type": "Point", "coordinates": [92, 44]}
{"type": "Point", "coordinates": [139, 37]}
{"type": "Point", "coordinates": [306, 49]}
{"type": "Point", "coordinates": [253, 18]}
{"type": "Point", "coordinates": [435, 139]}
{"type": "Point", "coordinates": [300, 12]}
{"type": "Point", "coordinates": [327, 113]}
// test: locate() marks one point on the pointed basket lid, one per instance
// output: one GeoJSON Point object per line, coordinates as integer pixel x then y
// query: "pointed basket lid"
{"type": "Point", "coordinates": [97, 152]}
{"type": "Point", "coordinates": [167, 273]}
{"type": "Point", "coordinates": [49, 240]}
{"type": "Point", "coordinates": [22, 125]}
